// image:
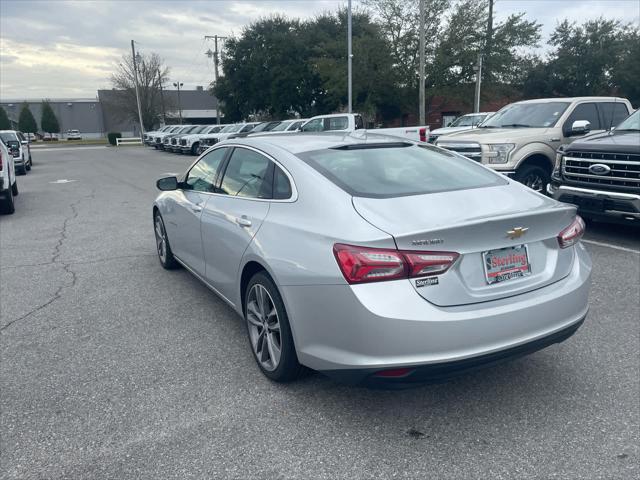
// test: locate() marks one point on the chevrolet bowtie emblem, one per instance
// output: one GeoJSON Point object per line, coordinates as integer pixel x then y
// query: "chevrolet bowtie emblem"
{"type": "Point", "coordinates": [516, 232]}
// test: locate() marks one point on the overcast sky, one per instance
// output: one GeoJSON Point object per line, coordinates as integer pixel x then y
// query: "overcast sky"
{"type": "Point", "coordinates": [67, 49]}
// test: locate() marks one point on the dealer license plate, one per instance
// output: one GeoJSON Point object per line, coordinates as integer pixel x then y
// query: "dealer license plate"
{"type": "Point", "coordinates": [506, 264]}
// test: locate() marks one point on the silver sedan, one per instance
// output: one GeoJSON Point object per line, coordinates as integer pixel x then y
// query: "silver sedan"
{"type": "Point", "coordinates": [373, 259]}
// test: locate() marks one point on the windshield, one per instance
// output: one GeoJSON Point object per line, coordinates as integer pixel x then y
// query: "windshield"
{"type": "Point", "coordinates": [8, 137]}
{"type": "Point", "coordinates": [523, 115]}
{"type": "Point", "coordinates": [296, 125]}
{"type": "Point", "coordinates": [232, 128]}
{"type": "Point", "coordinates": [282, 126]}
{"type": "Point", "coordinates": [199, 129]}
{"type": "Point", "coordinates": [467, 121]}
{"type": "Point", "coordinates": [632, 123]}
{"type": "Point", "coordinates": [398, 169]}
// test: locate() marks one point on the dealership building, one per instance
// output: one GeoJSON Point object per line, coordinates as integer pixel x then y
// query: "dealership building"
{"type": "Point", "coordinates": [95, 117]}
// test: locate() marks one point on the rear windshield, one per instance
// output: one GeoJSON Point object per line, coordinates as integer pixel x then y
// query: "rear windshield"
{"type": "Point", "coordinates": [395, 170]}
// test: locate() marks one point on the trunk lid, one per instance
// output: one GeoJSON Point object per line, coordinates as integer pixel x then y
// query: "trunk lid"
{"type": "Point", "coordinates": [472, 222]}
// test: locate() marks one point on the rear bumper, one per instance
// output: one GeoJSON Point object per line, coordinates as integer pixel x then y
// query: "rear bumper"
{"type": "Point", "coordinates": [376, 326]}
{"type": "Point", "coordinates": [598, 203]}
{"type": "Point", "coordinates": [437, 372]}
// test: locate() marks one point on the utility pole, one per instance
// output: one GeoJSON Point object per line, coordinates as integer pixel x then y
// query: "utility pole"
{"type": "Point", "coordinates": [135, 78]}
{"type": "Point", "coordinates": [164, 113]}
{"type": "Point", "coordinates": [478, 69]}
{"type": "Point", "coordinates": [421, 92]}
{"type": "Point", "coordinates": [178, 85]}
{"type": "Point", "coordinates": [350, 59]}
{"type": "Point", "coordinates": [216, 61]}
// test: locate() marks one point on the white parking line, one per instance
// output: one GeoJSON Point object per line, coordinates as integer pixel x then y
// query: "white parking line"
{"type": "Point", "coordinates": [66, 149]}
{"type": "Point", "coordinates": [609, 245]}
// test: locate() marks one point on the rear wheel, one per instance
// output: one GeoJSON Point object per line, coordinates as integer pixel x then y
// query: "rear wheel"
{"type": "Point", "coordinates": [14, 189]}
{"type": "Point", "coordinates": [269, 332]}
{"type": "Point", "coordinates": [7, 206]}
{"type": "Point", "coordinates": [165, 255]}
{"type": "Point", "coordinates": [21, 170]}
{"type": "Point", "coordinates": [194, 148]}
{"type": "Point", "coordinates": [534, 177]}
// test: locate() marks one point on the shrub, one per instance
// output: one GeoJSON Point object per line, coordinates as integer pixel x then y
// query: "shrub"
{"type": "Point", "coordinates": [111, 136]}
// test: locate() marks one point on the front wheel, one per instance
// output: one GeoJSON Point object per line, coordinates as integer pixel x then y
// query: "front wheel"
{"type": "Point", "coordinates": [165, 255]}
{"type": "Point", "coordinates": [534, 177]}
{"type": "Point", "coordinates": [194, 148]}
{"type": "Point", "coordinates": [14, 189]}
{"type": "Point", "coordinates": [269, 332]}
{"type": "Point", "coordinates": [7, 206]}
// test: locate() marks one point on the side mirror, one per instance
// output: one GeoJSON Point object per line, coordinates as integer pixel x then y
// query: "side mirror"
{"type": "Point", "coordinates": [167, 184]}
{"type": "Point", "coordinates": [24, 142]}
{"type": "Point", "coordinates": [580, 127]}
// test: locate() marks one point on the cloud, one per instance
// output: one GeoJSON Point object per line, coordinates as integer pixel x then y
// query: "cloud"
{"type": "Point", "coordinates": [68, 48]}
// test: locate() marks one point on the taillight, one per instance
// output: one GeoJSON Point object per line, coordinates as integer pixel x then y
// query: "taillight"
{"type": "Point", "coordinates": [572, 234]}
{"type": "Point", "coordinates": [365, 264]}
{"type": "Point", "coordinates": [0, 160]}
{"type": "Point", "coordinates": [429, 263]}
{"type": "Point", "coordinates": [423, 134]}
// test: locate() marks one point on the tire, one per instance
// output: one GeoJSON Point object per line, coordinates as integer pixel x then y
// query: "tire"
{"type": "Point", "coordinates": [165, 255]}
{"type": "Point", "coordinates": [21, 170]}
{"type": "Point", "coordinates": [27, 166]}
{"type": "Point", "coordinates": [262, 303]}
{"type": "Point", "coordinates": [7, 206]}
{"type": "Point", "coordinates": [194, 148]}
{"type": "Point", "coordinates": [14, 189]}
{"type": "Point", "coordinates": [534, 177]}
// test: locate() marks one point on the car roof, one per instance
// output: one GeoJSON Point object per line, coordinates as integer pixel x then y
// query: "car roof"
{"type": "Point", "coordinates": [309, 141]}
{"type": "Point", "coordinates": [573, 99]}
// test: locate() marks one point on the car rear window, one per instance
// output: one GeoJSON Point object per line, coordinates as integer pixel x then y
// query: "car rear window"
{"type": "Point", "coordinates": [395, 170]}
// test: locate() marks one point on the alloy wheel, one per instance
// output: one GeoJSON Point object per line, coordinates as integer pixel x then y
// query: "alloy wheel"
{"type": "Point", "coordinates": [264, 327]}
{"type": "Point", "coordinates": [534, 182]}
{"type": "Point", "coordinates": [161, 239]}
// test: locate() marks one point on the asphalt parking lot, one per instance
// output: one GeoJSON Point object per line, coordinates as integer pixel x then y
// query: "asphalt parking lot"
{"type": "Point", "coordinates": [112, 367]}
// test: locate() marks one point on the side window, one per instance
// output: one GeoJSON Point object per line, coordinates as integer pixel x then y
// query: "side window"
{"type": "Point", "coordinates": [316, 125]}
{"type": "Point", "coordinates": [584, 111]}
{"type": "Point", "coordinates": [338, 123]}
{"type": "Point", "coordinates": [248, 174]}
{"type": "Point", "coordinates": [203, 175]}
{"type": "Point", "coordinates": [612, 113]}
{"type": "Point", "coordinates": [248, 128]}
{"type": "Point", "coordinates": [281, 185]}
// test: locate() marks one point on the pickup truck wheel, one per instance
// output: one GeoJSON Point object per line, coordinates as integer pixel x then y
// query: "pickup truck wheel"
{"type": "Point", "coordinates": [21, 170]}
{"type": "Point", "coordinates": [194, 148]}
{"type": "Point", "coordinates": [27, 166]}
{"type": "Point", "coordinates": [534, 177]}
{"type": "Point", "coordinates": [7, 206]}
{"type": "Point", "coordinates": [14, 189]}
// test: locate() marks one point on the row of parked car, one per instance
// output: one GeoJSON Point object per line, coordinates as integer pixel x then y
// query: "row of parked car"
{"type": "Point", "coordinates": [526, 140]}
{"type": "Point", "coordinates": [15, 159]}
{"type": "Point", "coordinates": [194, 139]}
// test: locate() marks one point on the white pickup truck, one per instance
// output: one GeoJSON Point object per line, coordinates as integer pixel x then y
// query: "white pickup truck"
{"type": "Point", "coordinates": [350, 122]}
{"type": "Point", "coordinates": [8, 185]}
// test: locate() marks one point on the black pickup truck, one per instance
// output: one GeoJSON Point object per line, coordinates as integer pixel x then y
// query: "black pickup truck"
{"type": "Point", "coordinates": [601, 173]}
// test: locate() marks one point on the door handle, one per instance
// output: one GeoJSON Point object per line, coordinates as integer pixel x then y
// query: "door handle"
{"type": "Point", "coordinates": [196, 208]}
{"type": "Point", "coordinates": [243, 221]}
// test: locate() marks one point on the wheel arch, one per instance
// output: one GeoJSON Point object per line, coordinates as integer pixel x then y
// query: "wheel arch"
{"type": "Point", "coordinates": [538, 159]}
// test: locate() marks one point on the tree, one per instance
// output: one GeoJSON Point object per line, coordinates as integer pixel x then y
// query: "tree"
{"type": "Point", "coordinates": [599, 57]}
{"type": "Point", "coordinates": [49, 121]}
{"type": "Point", "coordinates": [152, 75]}
{"type": "Point", "coordinates": [26, 121]}
{"type": "Point", "coordinates": [5, 123]}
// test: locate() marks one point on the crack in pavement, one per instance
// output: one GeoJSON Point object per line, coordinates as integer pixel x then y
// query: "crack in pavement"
{"type": "Point", "coordinates": [86, 262]}
{"type": "Point", "coordinates": [66, 266]}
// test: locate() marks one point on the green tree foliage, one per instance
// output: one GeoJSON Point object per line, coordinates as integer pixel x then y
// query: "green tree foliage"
{"type": "Point", "coordinates": [505, 65]}
{"type": "Point", "coordinates": [49, 121]}
{"type": "Point", "coordinates": [5, 124]}
{"type": "Point", "coordinates": [278, 67]}
{"type": "Point", "coordinates": [598, 57]}
{"type": "Point", "coordinates": [26, 121]}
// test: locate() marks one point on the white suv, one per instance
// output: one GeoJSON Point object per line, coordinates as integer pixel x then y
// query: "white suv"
{"type": "Point", "coordinates": [8, 184]}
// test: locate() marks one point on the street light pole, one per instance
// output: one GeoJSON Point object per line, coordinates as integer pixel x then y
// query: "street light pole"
{"type": "Point", "coordinates": [421, 92]}
{"type": "Point", "coordinates": [216, 61]}
{"type": "Point", "coordinates": [135, 79]}
{"type": "Point", "coordinates": [178, 85]}
{"type": "Point", "coordinates": [349, 61]}
{"type": "Point", "coordinates": [478, 69]}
